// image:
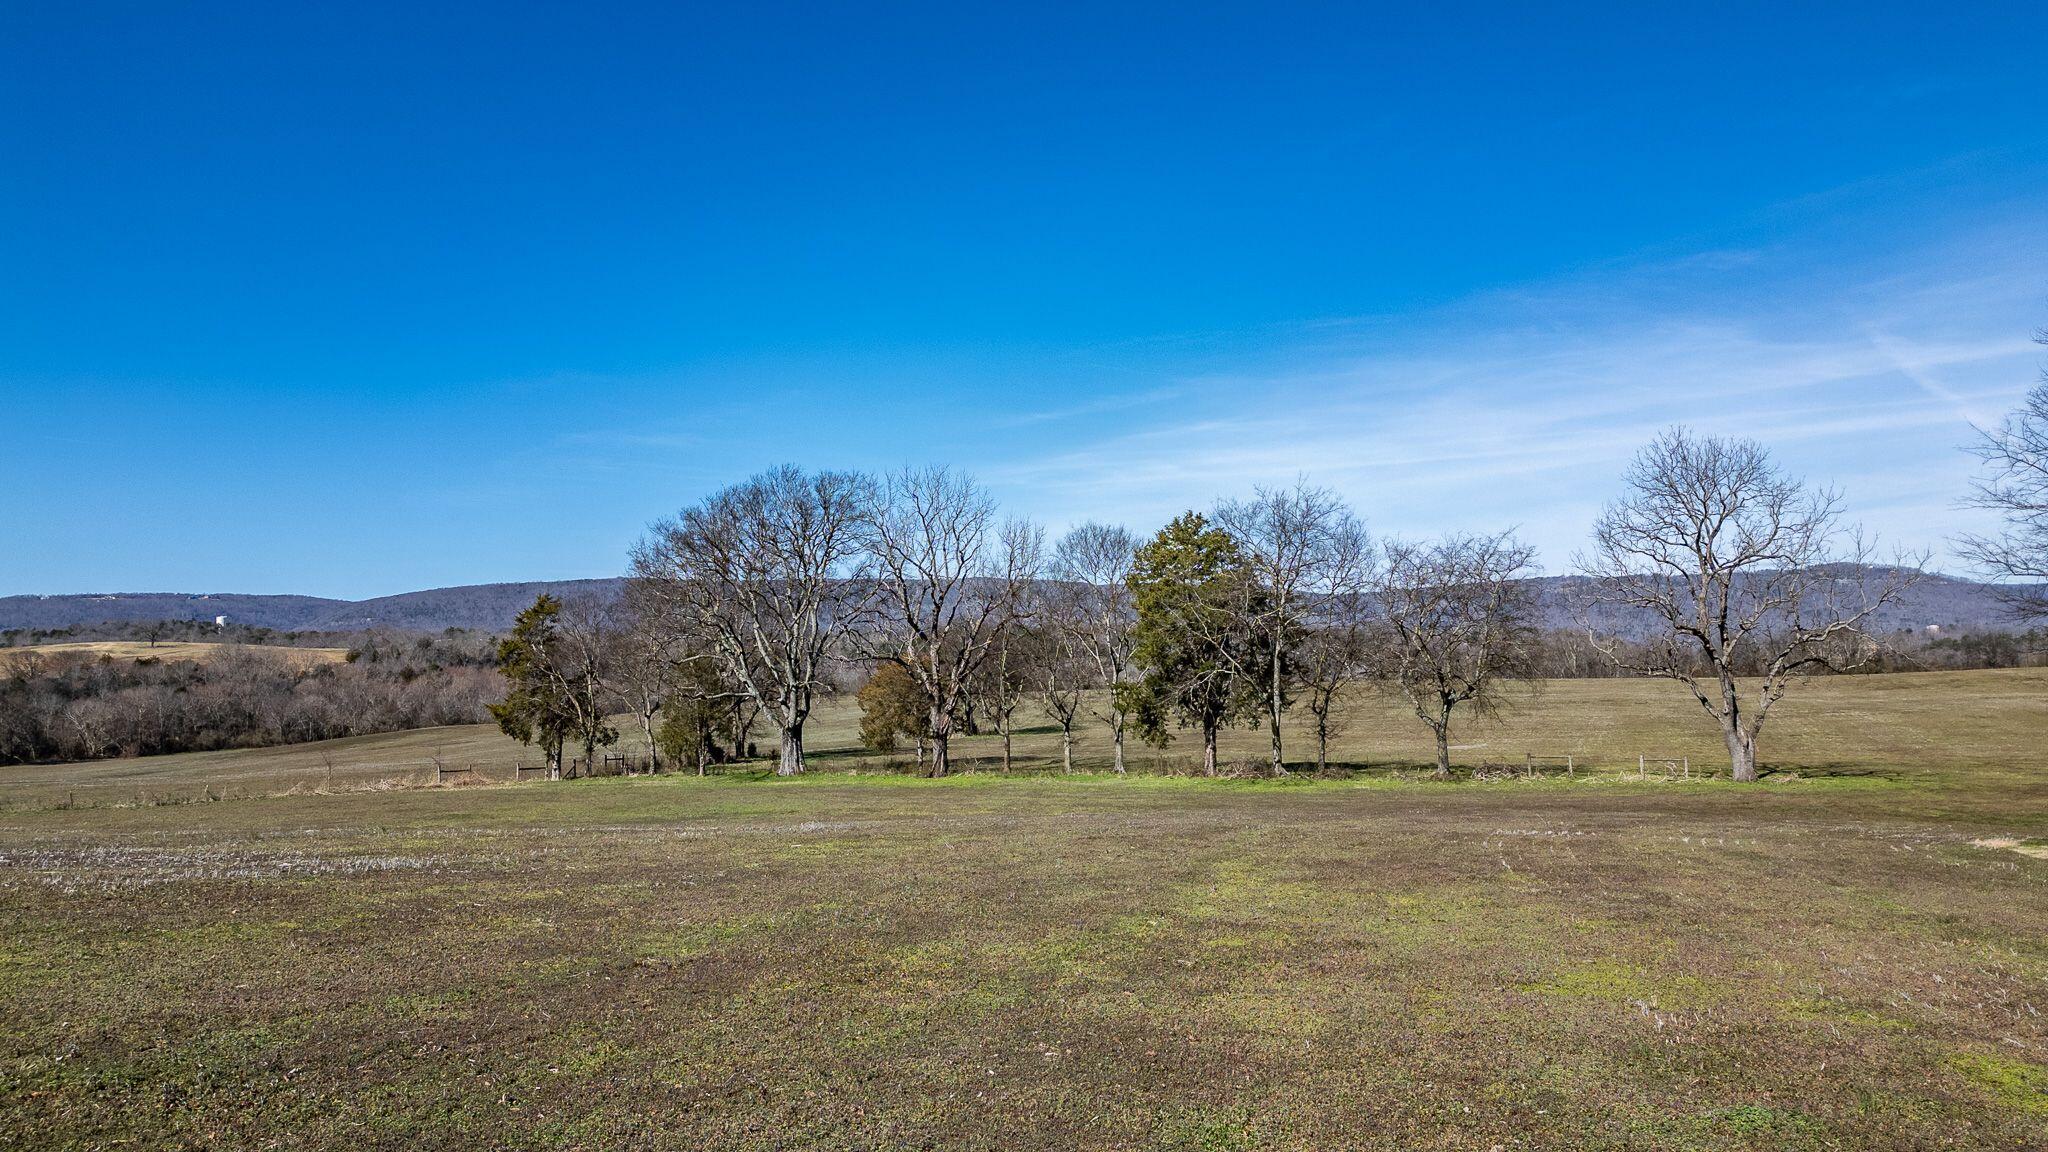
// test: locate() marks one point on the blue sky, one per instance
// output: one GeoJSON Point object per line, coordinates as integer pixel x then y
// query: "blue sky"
{"type": "Point", "coordinates": [355, 300]}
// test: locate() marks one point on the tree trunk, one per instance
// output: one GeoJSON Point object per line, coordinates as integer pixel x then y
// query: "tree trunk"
{"type": "Point", "coordinates": [1119, 749]}
{"type": "Point", "coordinates": [792, 750]}
{"type": "Point", "coordinates": [1443, 749]}
{"type": "Point", "coordinates": [941, 720]}
{"type": "Point", "coordinates": [591, 726]}
{"type": "Point", "coordinates": [1067, 749]}
{"type": "Point", "coordinates": [1006, 743]}
{"type": "Point", "coordinates": [1209, 749]}
{"type": "Point", "coordinates": [1741, 752]}
{"type": "Point", "coordinates": [1741, 744]}
{"type": "Point", "coordinates": [653, 750]}
{"type": "Point", "coordinates": [1322, 743]}
{"type": "Point", "coordinates": [1274, 703]}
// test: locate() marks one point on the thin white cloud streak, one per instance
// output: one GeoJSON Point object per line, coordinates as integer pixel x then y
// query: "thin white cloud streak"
{"type": "Point", "coordinates": [1092, 408]}
{"type": "Point", "coordinates": [1524, 407]}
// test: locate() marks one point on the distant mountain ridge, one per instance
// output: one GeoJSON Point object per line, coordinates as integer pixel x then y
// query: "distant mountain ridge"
{"type": "Point", "coordinates": [1949, 603]}
{"type": "Point", "coordinates": [1945, 604]}
{"type": "Point", "coordinates": [485, 607]}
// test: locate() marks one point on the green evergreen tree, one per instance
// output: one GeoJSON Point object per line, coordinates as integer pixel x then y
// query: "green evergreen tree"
{"type": "Point", "coordinates": [536, 708]}
{"type": "Point", "coordinates": [695, 715]}
{"type": "Point", "coordinates": [892, 705]}
{"type": "Point", "coordinates": [1195, 642]}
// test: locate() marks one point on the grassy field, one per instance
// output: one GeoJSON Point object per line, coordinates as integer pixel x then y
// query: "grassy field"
{"type": "Point", "coordinates": [1851, 955]}
{"type": "Point", "coordinates": [168, 651]}
{"type": "Point", "coordinates": [1971, 738]}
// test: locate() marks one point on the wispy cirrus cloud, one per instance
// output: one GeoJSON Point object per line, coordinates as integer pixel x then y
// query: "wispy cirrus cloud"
{"type": "Point", "coordinates": [1097, 407]}
{"type": "Point", "coordinates": [1522, 407]}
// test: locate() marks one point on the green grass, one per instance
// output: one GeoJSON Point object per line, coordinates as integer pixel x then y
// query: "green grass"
{"type": "Point", "coordinates": [1371, 960]}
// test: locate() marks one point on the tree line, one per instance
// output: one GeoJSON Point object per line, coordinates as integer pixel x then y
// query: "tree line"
{"type": "Point", "coordinates": [941, 616]}
{"type": "Point", "coordinates": [77, 706]}
{"type": "Point", "coordinates": [944, 616]}
{"type": "Point", "coordinates": [154, 632]}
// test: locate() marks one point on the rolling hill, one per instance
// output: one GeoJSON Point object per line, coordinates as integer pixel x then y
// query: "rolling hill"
{"type": "Point", "coordinates": [1950, 603]}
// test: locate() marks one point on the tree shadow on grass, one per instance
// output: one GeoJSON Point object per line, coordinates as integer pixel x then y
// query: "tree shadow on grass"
{"type": "Point", "coordinates": [1372, 770]}
{"type": "Point", "coordinates": [837, 754]}
{"type": "Point", "coordinates": [1831, 771]}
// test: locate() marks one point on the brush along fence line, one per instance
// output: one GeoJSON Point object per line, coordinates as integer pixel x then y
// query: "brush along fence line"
{"type": "Point", "coordinates": [1532, 766]}
{"type": "Point", "coordinates": [1672, 766]}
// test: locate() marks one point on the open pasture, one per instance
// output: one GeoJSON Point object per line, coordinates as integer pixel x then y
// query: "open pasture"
{"type": "Point", "coordinates": [171, 651]}
{"type": "Point", "coordinates": [1845, 956]}
{"type": "Point", "coordinates": [1973, 737]}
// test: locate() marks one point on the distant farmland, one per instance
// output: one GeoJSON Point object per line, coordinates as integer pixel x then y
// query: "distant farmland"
{"type": "Point", "coordinates": [170, 650]}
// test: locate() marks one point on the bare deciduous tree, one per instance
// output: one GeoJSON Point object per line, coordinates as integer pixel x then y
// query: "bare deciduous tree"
{"type": "Point", "coordinates": [950, 579]}
{"type": "Point", "coordinates": [644, 669]}
{"type": "Point", "coordinates": [1064, 675]}
{"type": "Point", "coordinates": [1740, 569]}
{"type": "Point", "coordinates": [1334, 653]}
{"type": "Point", "coordinates": [2016, 487]}
{"type": "Point", "coordinates": [1303, 546]}
{"type": "Point", "coordinates": [582, 660]}
{"type": "Point", "coordinates": [764, 572]}
{"type": "Point", "coordinates": [1005, 678]}
{"type": "Point", "coordinates": [1459, 625]}
{"type": "Point", "coordinates": [1089, 606]}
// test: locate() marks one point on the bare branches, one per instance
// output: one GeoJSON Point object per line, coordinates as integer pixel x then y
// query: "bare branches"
{"type": "Point", "coordinates": [1337, 645]}
{"type": "Point", "coordinates": [949, 578]}
{"type": "Point", "coordinates": [1063, 677]}
{"type": "Point", "coordinates": [2015, 485]}
{"type": "Point", "coordinates": [1088, 606]}
{"type": "Point", "coordinates": [1459, 623]}
{"type": "Point", "coordinates": [765, 574]}
{"type": "Point", "coordinates": [1302, 546]}
{"type": "Point", "coordinates": [1742, 568]}
{"type": "Point", "coordinates": [580, 656]}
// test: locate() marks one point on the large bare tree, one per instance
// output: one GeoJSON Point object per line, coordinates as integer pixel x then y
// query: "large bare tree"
{"type": "Point", "coordinates": [765, 574]}
{"type": "Point", "coordinates": [1458, 626]}
{"type": "Point", "coordinates": [1088, 604]}
{"type": "Point", "coordinates": [1738, 569]}
{"type": "Point", "coordinates": [1303, 546]}
{"type": "Point", "coordinates": [2016, 487]}
{"type": "Point", "coordinates": [950, 578]}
